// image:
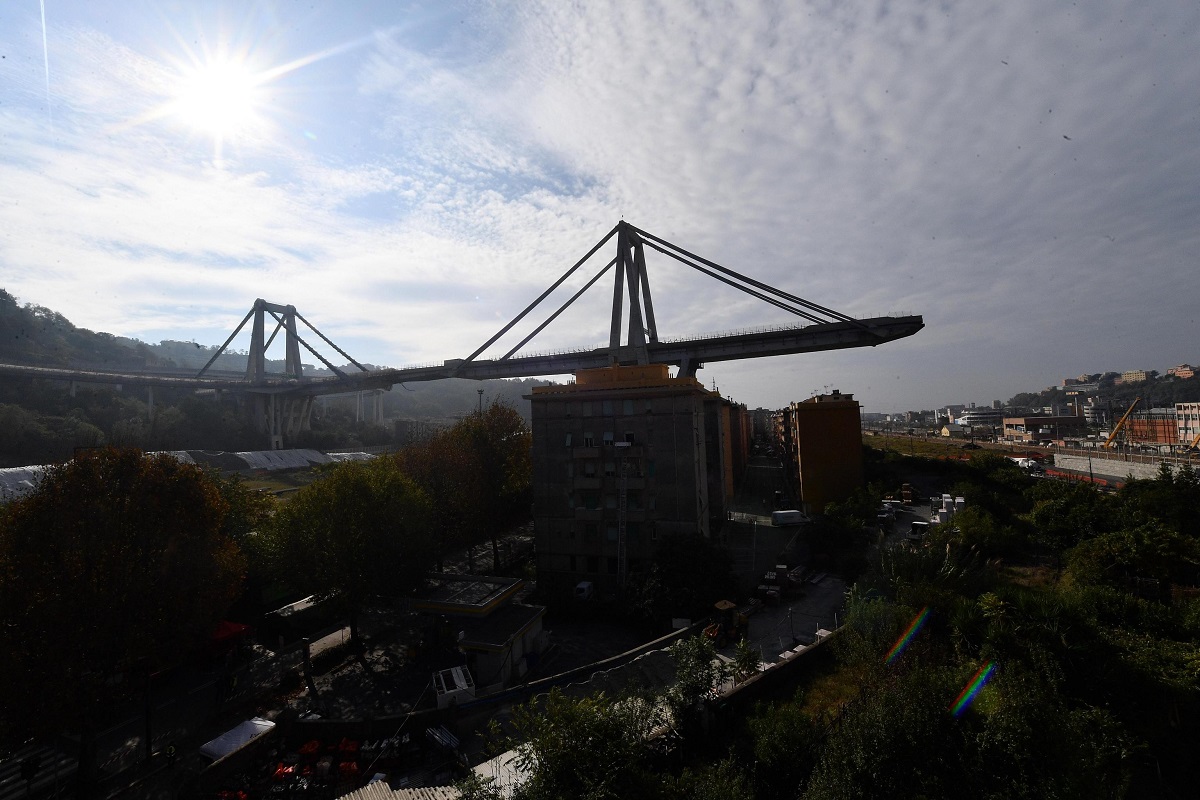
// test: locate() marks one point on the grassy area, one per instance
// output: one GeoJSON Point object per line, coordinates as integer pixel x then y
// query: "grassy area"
{"type": "Point", "coordinates": [831, 689]}
{"type": "Point", "coordinates": [282, 482]}
{"type": "Point", "coordinates": [931, 447]}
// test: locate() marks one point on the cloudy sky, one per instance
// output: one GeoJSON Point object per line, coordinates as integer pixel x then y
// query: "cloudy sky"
{"type": "Point", "coordinates": [1024, 174]}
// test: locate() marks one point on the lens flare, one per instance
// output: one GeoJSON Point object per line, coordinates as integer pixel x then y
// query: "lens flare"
{"type": "Point", "coordinates": [972, 689]}
{"type": "Point", "coordinates": [902, 642]}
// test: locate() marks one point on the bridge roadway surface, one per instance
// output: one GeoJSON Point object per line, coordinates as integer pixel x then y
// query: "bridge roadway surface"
{"type": "Point", "coordinates": [688, 354]}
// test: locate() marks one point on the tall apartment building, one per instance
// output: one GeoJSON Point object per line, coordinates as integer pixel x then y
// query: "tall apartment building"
{"type": "Point", "coordinates": [621, 458]}
{"type": "Point", "coordinates": [824, 443]}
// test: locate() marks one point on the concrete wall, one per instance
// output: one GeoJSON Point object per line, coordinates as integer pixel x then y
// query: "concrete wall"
{"type": "Point", "coordinates": [1107, 468]}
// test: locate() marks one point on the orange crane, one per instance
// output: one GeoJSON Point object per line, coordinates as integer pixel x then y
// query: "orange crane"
{"type": "Point", "coordinates": [1121, 424]}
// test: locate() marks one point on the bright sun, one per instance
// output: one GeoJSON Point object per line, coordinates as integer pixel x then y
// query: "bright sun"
{"type": "Point", "coordinates": [219, 98]}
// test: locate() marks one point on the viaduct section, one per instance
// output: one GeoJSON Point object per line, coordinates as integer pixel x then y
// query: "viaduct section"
{"type": "Point", "coordinates": [281, 404]}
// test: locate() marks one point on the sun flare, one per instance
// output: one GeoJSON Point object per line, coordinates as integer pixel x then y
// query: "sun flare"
{"type": "Point", "coordinates": [220, 98]}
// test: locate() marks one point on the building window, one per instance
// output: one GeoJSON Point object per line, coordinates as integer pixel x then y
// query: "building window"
{"type": "Point", "coordinates": [633, 529]}
{"type": "Point", "coordinates": [589, 531]}
{"type": "Point", "coordinates": [570, 469]}
{"type": "Point", "coordinates": [608, 438]}
{"type": "Point", "coordinates": [629, 437]}
{"type": "Point", "coordinates": [610, 501]}
{"type": "Point", "coordinates": [589, 469]}
{"type": "Point", "coordinates": [651, 502]}
{"type": "Point", "coordinates": [610, 469]}
{"type": "Point", "coordinates": [593, 563]}
{"type": "Point", "coordinates": [612, 565]}
{"type": "Point", "coordinates": [608, 408]}
{"type": "Point", "coordinates": [650, 468]}
{"type": "Point", "coordinates": [587, 408]}
{"type": "Point", "coordinates": [588, 440]}
{"type": "Point", "coordinates": [568, 440]}
{"type": "Point", "coordinates": [627, 407]}
{"type": "Point", "coordinates": [591, 500]}
{"type": "Point", "coordinates": [611, 533]}
{"type": "Point", "coordinates": [649, 407]}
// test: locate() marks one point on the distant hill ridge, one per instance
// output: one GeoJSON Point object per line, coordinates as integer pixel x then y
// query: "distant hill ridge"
{"type": "Point", "coordinates": [36, 335]}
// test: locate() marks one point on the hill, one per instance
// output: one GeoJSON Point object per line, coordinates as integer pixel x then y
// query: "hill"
{"type": "Point", "coordinates": [41, 422]}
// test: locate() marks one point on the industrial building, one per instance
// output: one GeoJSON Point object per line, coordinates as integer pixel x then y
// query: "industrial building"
{"type": "Point", "coordinates": [823, 446]}
{"type": "Point", "coordinates": [624, 456]}
{"type": "Point", "coordinates": [1044, 428]}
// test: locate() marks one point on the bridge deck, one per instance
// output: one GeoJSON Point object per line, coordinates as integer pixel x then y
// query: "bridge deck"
{"type": "Point", "coordinates": [693, 352]}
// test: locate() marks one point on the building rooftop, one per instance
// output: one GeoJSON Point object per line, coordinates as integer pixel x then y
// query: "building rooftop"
{"type": "Point", "coordinates": [499, 628]}
{"type": "Point", "coordinates": [449, 593]}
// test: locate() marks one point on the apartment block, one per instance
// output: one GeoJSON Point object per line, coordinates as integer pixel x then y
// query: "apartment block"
{"type": "Point", "coordinates": [824, 443]}
{"type": "Point", "coordinates": [621, 458]}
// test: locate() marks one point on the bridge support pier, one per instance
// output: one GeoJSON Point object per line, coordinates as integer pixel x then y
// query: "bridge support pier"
{"type": "Point", "coordinates": [281, 417]}
{"type": "Point", "coordinates": [369, 407]}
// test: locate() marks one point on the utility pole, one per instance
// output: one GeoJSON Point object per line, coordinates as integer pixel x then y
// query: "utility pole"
{"type": "Point", "coordinates": [480, 401]}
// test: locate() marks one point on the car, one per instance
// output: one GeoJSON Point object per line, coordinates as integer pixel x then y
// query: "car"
{"type": "Point", "coordinates": [970, 446]}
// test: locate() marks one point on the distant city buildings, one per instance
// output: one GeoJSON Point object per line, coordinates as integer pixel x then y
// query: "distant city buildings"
{"type": "Point", "coordinates": [1183, 371]}
{"type": "Point", "coordinates": [1133, 376]}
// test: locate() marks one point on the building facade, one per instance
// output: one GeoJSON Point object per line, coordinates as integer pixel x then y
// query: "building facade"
{"type": "Point", "coordinates": [1183, 371]}
{"type": "Point", "coordinates": [1133, 376]}
{"type": "Point", "coordinates": [1039, 428]}
{"type": "Point", "coordinates": [621, 458]}
{"type": "Point", "coordinates": [974, 417]}
{"type": "Point", "coordinates": [1156, 426]}
{"type": "Point", "coordinates": [825, 449]}
{"type": "Point", "coordinates": [1187, 423]}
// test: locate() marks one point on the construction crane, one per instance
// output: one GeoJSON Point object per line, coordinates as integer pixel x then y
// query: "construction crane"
{"type": "Point", "coordinates": [1121, 423]}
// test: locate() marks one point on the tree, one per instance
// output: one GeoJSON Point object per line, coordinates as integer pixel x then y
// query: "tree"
{"type": "Point", "coordinates": [785, 744]}
{"type": "Point", "coordinates": [698, 673]}
{"type": "Point", "coordinates": [590, 747]}
{"type": "Point", "coordinates": [1066, 513]}
{"type": "Point", "coordinates": [361, 531]}
{"type": "Point", "coordinates": [451, 476]}
{"type": "Point", "coordinates": [502, 443]}
{"type": "Point", "coordinates": [1150, 552]}
{"type": "Point", "coordinates": [115, 563]}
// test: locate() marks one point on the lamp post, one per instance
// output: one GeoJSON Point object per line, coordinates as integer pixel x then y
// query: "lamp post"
{"type": "Point", "coordinates": [480, 391]}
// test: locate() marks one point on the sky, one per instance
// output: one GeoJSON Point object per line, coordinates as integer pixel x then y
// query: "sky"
{"type": "Point", "coordinates": [410, 175]}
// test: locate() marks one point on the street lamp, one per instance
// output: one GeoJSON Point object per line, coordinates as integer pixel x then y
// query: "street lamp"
{"type": "Point", "coordinates": [480, 391]}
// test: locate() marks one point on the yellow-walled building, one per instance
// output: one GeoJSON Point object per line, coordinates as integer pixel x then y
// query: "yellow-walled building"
{"type": "Point", "coordinates": [824, 441]}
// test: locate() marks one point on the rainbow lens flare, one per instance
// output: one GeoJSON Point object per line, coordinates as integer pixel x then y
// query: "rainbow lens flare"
{"type": "Point", "coordinates": [972, 689]}
{"type": "Point", "coordinates": [902, 642]}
